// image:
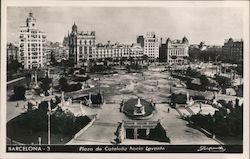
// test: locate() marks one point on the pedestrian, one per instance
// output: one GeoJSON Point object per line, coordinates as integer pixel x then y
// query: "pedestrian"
{"type": "Point", "coordinates": [168, 110]}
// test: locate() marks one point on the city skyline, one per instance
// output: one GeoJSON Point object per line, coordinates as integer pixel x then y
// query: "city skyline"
{"type": "Point", "coordinates": [111, 23]}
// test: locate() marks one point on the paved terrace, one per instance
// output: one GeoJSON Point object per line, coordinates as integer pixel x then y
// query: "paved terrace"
{"type": "Point", "coordinates": [103, 129]}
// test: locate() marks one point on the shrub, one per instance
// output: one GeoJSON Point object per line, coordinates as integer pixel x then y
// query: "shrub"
{"type": "Point", "coordinates": [224, 82]}
{"type": "Point", "coordinates": [69, 87]}
{"type": "Point", "coordinates": [19, 93]}
{"type": "Point", "coordinates": [35, 121]}
{"type": "Point", "coordinates": [178, 98]}
{"type": "Point", "coordinates": [159, 134]}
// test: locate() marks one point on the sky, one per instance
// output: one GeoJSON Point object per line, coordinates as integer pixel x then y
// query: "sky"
{"type": "Point", "coordinates": [124, 24]}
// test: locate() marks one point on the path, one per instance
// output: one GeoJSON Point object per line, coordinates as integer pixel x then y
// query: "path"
{"type": "Point", "coordinates": [178, 131]}
{"type": "Point", "coordinates": [103, 129]}
{"type": "Point", "coordinates": [15, 80]}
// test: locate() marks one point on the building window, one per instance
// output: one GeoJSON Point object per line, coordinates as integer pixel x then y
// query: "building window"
{"type": "Point", "coordinates": [80, 50]}
{"type": "Point", "coordinates": [85, 49]}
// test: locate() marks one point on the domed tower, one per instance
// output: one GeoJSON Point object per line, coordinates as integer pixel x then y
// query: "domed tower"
{"type": "Point", "coordinates": [168, 42]}
{"type": "Point", "coordinates": [230, 40]}
{"type": "Point", "coordinates": [74, 28]}
{"type": "Point", "coordinates": [185, 40]}
{"type": "Point", "coordinates": [31, 21]}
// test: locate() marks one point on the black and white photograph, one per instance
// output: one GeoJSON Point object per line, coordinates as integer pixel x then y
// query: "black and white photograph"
{"type": "Point", "coordinates": [110, 77]}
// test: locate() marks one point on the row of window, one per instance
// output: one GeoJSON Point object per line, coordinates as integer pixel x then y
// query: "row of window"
{"type": "Point", "coordinates": [151, 52]}
{"type": "Point", "coordinates": [151, 55]}
{"type": "Point", "coordinates": [176, 60]}
{"type": "Point", "coordinates": [151, 44]}
{"type": "Point", "coordinates": [136, 52]}
{"type": "Point", "coordinates": [150, 40]}
{"type": "Point", "coordinates": [34, 66]}
{"type": "Point", "coordinates": [35, 57]}
{"type": "Point", "coordinates": [32, 36]}
{"type": "Point", "coordinates": [43, 41]}
{"type": "Point", "coordinates": [176, 52]}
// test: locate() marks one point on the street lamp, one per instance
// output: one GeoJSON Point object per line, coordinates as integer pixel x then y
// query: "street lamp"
{"type": "Point", "coordinates": [49, 113]}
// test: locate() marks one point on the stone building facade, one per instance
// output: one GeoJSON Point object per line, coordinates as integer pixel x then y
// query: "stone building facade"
{"type": "Point", "coordinates": [81, 45]}
{"type": "Point", "coordinates": [12, 52]}
{"type": "Point", "coordinates": [136, 51]}
{"type": "Point", "coordinates": [232, 50]}
{"type": "Point", "coordinates": [115, 51]}
{"type": "Point", "coordinates": [32, 45]}
{"type": "Point", "coordinates": [151, 46]}
{"type": "Point", "coordinates": [175, 52]}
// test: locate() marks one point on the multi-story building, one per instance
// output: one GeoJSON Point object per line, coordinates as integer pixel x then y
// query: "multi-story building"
{"type": "Point", "coordinates": [140, 40]}
{"type": "Point", "coordinates": [57, 52]}
{"type": "Point", "coordinates": [32, 43]}
{"type": "Point", "coordinates": [136, 51]}
{"type": "Point", "coordinates": [175, 52]}
{"type": "Point", "coordinates": [63, 53]}
{"type": "Point", "coordinates": [151, 46]}
{"type": "Point", "coordinates": [12, 52]}
{"type": "Point", "coordinates": [81, 45]}
{"type": "Point", "coordinates": [114, 51]}
{"type": "Point", "coordinates": [232, 50]}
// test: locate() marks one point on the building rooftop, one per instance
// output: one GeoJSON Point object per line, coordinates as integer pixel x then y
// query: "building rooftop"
{"type": "Point", "coordinates": [233, 40]}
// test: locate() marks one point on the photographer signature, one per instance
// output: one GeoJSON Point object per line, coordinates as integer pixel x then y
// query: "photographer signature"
{"type": "Point", "coordinates": [211, 148]}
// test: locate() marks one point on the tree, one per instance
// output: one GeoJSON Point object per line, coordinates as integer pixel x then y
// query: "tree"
{"type": "Point", "coordinates": [19, 93]}
{"type": "Point", "coordinates": [82, 71]}
{"type": "Point", "coordinates": [64, 86]}
{"type": "Point", "coordinates": [239, 69]}
{"type": "Point", "coordinates": [52, 58]}
{"type": "Point", "coordinates": [189, 71]}
{"type": "Point", "coordinates": [14, 66]}
{"type": "Point", "coordinates": [192, 73]}
{"type": "Point", "coordinates": [223, 82]}
{"type": "Point", "coordinates": [204, 81]}
{"type": "Point", "coordinates": [178, 98]}
{"type": "Point", "coordinates": [63, 83]}
{"type": "Point", "coordinates": [123, 59]}
{"type": "Point", "coordinates": [45, 85]}
{"type": "Point", "coordinates": [28, 80]}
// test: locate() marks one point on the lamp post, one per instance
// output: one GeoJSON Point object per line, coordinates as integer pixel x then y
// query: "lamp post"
{"type": "Point", "coordinates": [49, 113]}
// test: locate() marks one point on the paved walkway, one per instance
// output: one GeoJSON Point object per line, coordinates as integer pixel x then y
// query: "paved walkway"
{"type": "Point", "coordinates": [15, 80]}
{"type": "Point", "coordinates": [178, 131]}
{"type": "Point", "coordinates": [103, 129]}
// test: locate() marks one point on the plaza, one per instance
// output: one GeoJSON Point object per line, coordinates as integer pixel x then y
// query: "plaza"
{"type": "Point", "coordinates": [150, 85]}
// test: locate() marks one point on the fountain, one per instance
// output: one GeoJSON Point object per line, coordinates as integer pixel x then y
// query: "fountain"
{"type": "Point", "coordinates": [139, 108]}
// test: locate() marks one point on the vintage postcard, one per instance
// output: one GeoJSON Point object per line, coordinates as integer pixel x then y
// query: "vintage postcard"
{"type": "Point", "coordinates": [127, 79]}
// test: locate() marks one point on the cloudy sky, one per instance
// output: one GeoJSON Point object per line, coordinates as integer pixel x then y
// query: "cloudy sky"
{"type": "Point", "coordinates": [123, 24]}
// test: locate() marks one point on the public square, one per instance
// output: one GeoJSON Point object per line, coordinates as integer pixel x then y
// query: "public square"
{"type": "Point", "coordinates": [93, 83]}
{"type": "Point", "coordinates": [149, 85]}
